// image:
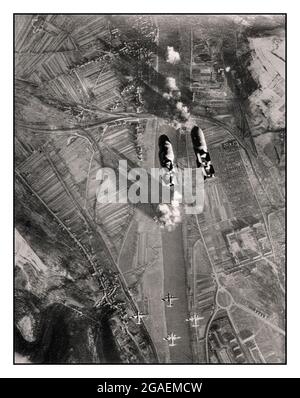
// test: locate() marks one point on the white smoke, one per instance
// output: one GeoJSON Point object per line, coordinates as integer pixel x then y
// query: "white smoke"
{"type": "Point", "coordinates": [189, 124]}
{"type": "Point", "coordinates": [21, 359]}
{"type": "Point", "coordinates": [167, 95]}
{"type": "Point", "coordinates": [171, 84]}
{"type": "Point", "coordinates": [177, 125]}
{"type": "Point", "coordinates": [173, 89]}
{"type": "Point", "coordinates": [183, 109]}
{"type": "Point", "coordinates": [169, 215]}
{"type": "Point", "coordinates": [173, 94]}
{"type": "Point", "coordinates": [173, 56]}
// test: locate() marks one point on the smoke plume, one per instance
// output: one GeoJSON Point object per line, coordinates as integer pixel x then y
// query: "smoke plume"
{"type": "Point", "coordinates": [169, 215]}
{"type": "Point", "coordinates": [183, 109]}
{"type": "Point", "coordinates": [171, 84]}
{"type": "Point", "coordinates": [173, 56]}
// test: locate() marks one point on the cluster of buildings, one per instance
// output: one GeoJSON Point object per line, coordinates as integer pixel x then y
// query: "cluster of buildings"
{"type": "Point", "coordinates": [131, 96]}
{"type": "Point", "coordinates": [209, 85]}
{"type": "Point", "coordinates": [139, 129]}
{"type": "Point", "coordinates": [235, 249]}
{"type": "Point", "coordinates": [139, 38]}
{"type": "Point", "coordinates": [207, 71]}
{"type": "Point", "coordinates": [235, 180]}
{"type": "Point", "coordinates": [224, 345]}
{"type": "Point", "coordinates": [132, 349]}
{"type": "Point", "coordinates": [82, 63]}
{"type": "Point", "coordinates": [38, 23]}
{"type": "Point", "coordinates": [125, 136]}
{"type": "Point", "coordinates": [249, 243]}
{"type": "Point", "coordinates": [205, 294]}
{"type": "Point", "coordinates": [145, 25]}
{"type": "Point", "coordinates": [248, 340]}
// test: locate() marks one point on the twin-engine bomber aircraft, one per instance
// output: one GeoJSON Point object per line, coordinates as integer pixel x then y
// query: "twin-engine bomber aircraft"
{"type": "Point", "coordinates": [139, 316]}
{"type": "Point", "coordinates": [194, 320]}
{"type": "Point", "coordinates": [171, 339]}
{"type": "Point", "coordinates": [169, 298]}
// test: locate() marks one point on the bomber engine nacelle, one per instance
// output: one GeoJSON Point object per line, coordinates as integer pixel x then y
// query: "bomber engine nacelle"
{"type": "Point", "coordinates": [202, 155]}
{"type": "Point", "coordinates": [166, 157]}
{"type": "Point", "coordinates": [198, 139]}
{"type": "Point", "coordinates": [166, 154]}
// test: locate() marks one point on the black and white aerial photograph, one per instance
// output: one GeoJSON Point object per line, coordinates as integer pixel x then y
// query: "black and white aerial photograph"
{"type": "Point", "coordinates": [149, 189]}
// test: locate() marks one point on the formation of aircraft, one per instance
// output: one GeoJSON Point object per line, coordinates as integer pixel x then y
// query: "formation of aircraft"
{"type": "Point", "coordinates": [169, 298]}
{"type": "Point", "coordinates": [194, 320]}
{"type": "Point", "coordinates": [171, 338]}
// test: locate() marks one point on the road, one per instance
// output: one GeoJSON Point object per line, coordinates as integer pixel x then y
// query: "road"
{"type": "Point", "coordinates": [175, 279]}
